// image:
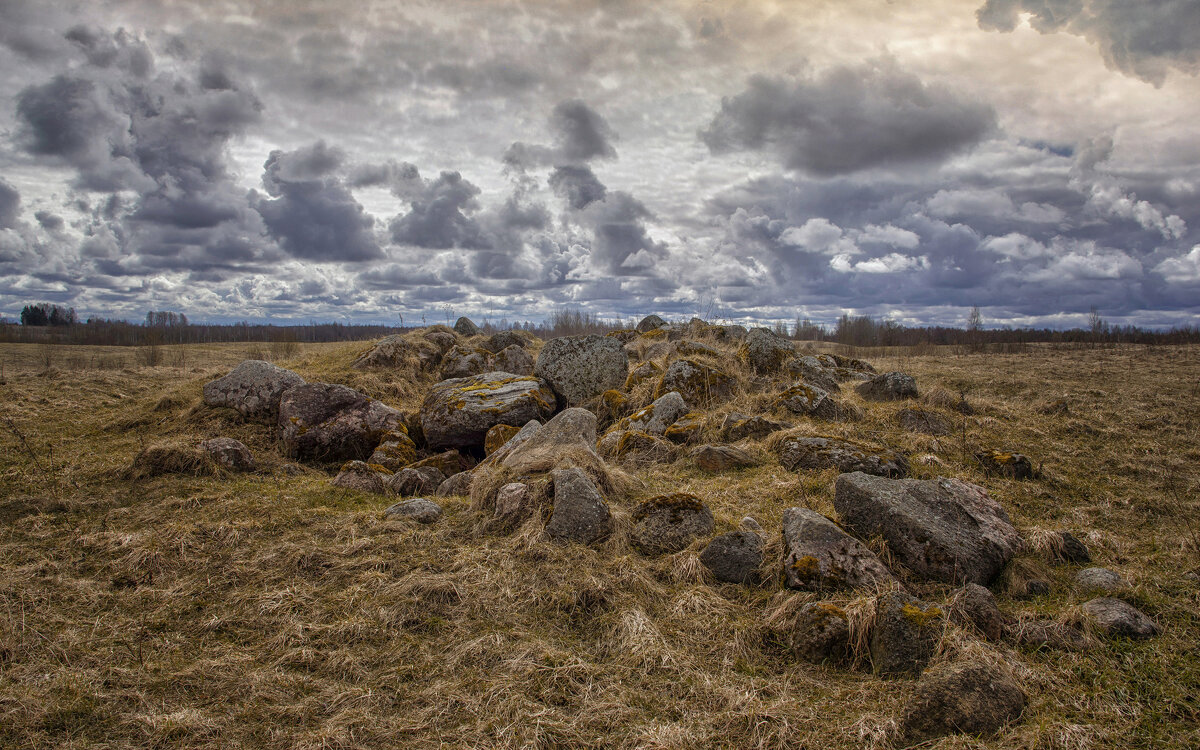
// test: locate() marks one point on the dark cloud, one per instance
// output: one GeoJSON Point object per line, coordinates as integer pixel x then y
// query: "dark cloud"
{"type": "Point", "coordinates": [580, 133]}
{"type": "Point", "coordinates": [1144, 38]}
{"type": "Point", "coordinates": [849, 119]}
{"type": "Point", "coordinates": [441, 216]}
{"type": "Point", "coordinates": [401, 177]}
{"type": "Point", "coordinates": [620, 242]}
{"type": "Point", "coordinates": [10, 205]}
{"type": "Point", "coordinates": [579, 186]}
{"type": "Point", "coordinates": [51, 222]}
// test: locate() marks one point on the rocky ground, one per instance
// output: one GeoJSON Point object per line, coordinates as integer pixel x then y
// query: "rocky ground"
{"type": "Point", "coordinates": [679, 535]}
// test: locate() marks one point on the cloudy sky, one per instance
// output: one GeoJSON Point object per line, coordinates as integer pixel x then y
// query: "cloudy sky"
{"type": "Point", "coordinates": [359, 161]}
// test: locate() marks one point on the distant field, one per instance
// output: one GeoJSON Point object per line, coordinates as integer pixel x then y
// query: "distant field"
{"type": "Point", "coordinates": [274, 610]}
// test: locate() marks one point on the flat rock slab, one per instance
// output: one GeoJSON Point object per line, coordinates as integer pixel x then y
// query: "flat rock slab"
{"type": "Point", "coordinates": [326, 422]}
{"type": "Point", "coordinates": [253, 388]}
{"type": "Point", "coordinates": [734, 557]}
{"type": "Point", "coordinates": [973, 699]}
{"type": "Point", "coordinates": [669, 523]}
{"type": "Point", "coordinates": [719, 458]}
{"type": "Point", "coordinates": [815, 453]}
{"type": "Point", "coordinates": [944, 530]}
{"type": "Point", "coordinates": [457, 413]}
{"type": "Point", "coordinates": [818, 556]}
{"type": "Point", "coordinates": [419, 509]}
{"type": "Point", "coordinates": [580, 367]}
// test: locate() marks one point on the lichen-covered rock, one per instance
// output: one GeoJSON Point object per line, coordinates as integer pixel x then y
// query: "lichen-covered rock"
{"type": "Point", "coordinates": [669, 523]}
{"type": "Point", "coordinates": [814, 372]}
{"type": "Point", "coordinates": [229, 454]}
{"type": "Point", "coordinates": [658, 416]}
{"type": "Point", "coordinates": [818, 556]}
{"type": "Point", "coordinates": [904, 636]}
{"type": "Point", "coordinates": [253, 388]}
{"type": "Point", "coordinates": [580, 367]}
{"type": "Point", "coordinates": [644, 371]}
{"type": "Point", "coordinates": [458, 413]}
{"type": "Point", "coordinates": [449, 462]}
{"type": "Point", "coordinates": [624, 335]}
{"type": "Point", "coordinates": [419, 509]}
{"type": "Point", "coordinates": [442, 339]}
{"type": "Point", "coordinates": [728, 332]}
{"type": "Point", "coordinates": [389, 352]}
{"type": "Point", "coordinates": [765, 352]}
{"type": "Point", "coordinates": [361, 476]}
{"type": "Point", "coordinates": [649, 323]}
{"type": "Point", "coordinates": [1006, 464]}
{"type": "Point", "coordinates": [420, 481]}
{"type": "Point", "coordinates": [686, 348]}
{"type": "Point", "coordinates": [464, 327]}
{"type": "Point", "coordinates": [974, 699]}
{"type": "Point", "coordinates": [571, 431]}
{"type": "Point", "coordinates": [923, 420]}
{"type": "Point", "coordinates": [457, 484]}
{"type": "Point", "coordinates": [734, 557]}
{"type": "Point", "coordinates": [737, 426]}
{"type": "Point", "coordinates": [497, 436]}
{"type": "Point", "coordinates": [942, 529]}
{"type": "Point", "coordinates": [395, 451]}
{"type": "Point", "coordinates": [686, 429]}
{"type": "Point", "coordinates": [634, 446]}
{"type": "Point", "coordinates": [719, 458]}
{"type": "Point", "coordinates": [820, 633]}
{"type": "Point", "coordinates": [608, 444]}
{"type": "Point", "coordinates": [975, 606]}
{"type": "Point", "coordinates": [513, 359]}
{"type": "Point", "coordinates": [1116, 618]}
{"type": "Point", "coordinates": [810, 401]}
{"type": "Point", "coordinates": [696, 382]}
{"type": "Point", "coordinates": [325, 422]}
{"type": "Point", "coordinates": [500, 341]}
{"type": "Point", "coordinates": [815, 453]}
{"type": "Point", "coordinates": [1099, 581]}
{"type": "Point", "coordinates": [463, 362]}
{"type": "Point", "coordinates": [580, 513]}
{"type": "Point", "coordinates": [890, 386]}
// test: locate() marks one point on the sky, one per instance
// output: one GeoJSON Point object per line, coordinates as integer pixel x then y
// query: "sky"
{"type": "Point", "coordinates": [295, 160]}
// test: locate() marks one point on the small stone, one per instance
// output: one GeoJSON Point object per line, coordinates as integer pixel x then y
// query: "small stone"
{"type": "Point", "coordinates": [972, 699]}
{"type": "Point", "coordinates": [1100, 580]}
{"type": "Point", "coordinates": [419, 509]}
{"type": "Point", "coordinates": [669, 523]}
{"type": "Point", "coordinates": [1047, 634]}
{"type": "Point", "coordinates": [820, 634]}
{"type": "Point", "coordinates": [359, 475]}
{"type": "Point", "coordinates": [513, 503]}
{"type": "Point", "coordinates": [750, 524]}
{"type": "Point", "coordinates": [458, 484]}
{"type": "Point", "coordinates": [810, 401]}
{"type": "Point", "coordinates": [890, 386]}
{"type": "Point", "coordinates": [819, 556]}
{"type": "Point", "coordinates": [974, 605]}
{"type": "Point", "coordinates": [1006, 464]}
{"type": "Point", "coordinates": [1119, 619]}
{"type": "Point", "coordinates": [734, 557]}
{"type": "Point", "coordinates": [658, 416]}
{"type": "Point", "coordinates": [229, 453]}
{"type": "Point", "coordinates": [719, 458]}
{"type": "Point", "coordinates": [395, 451]}
{"type": "Point", "coordinates": [1073, 551]}
{"type": "Point", "coordinates": [686, 429]}
{"type": "Point", "coordinates": [410, 482]}
{"type": "Point", "coordinates": [1037, 587]}
{"type": "Point", "coordinates": [905, 635]}
{"type": "Point", "coordinates": [737, 426]}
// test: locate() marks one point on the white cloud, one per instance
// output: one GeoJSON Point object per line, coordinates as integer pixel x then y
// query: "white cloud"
{"type": "Point", "coordinates": [890, 263]}
{"type": "Point", "coordinates": [1182, 269]}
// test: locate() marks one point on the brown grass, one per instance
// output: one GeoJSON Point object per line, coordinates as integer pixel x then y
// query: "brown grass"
{"type": "Point", "coordinates": [273, 610]}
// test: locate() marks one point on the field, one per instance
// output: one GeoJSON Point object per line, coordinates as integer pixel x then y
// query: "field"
{"type": "Point", "coordinates": [274, 610]}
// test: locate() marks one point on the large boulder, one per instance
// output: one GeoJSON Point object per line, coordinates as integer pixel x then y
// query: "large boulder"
{"type": "Point", "coordinates": [942, 529]}
{"type": "Point", "coordinates": [904, 635]}
{"type": "Point", "coordinates": [696, 382]}
{"type": "Point", "coordinates": [824, 453]}
{"type": "Point", "coordinates": [500, 341]}
{"type": "Point", "coordinates": [390, 352]}
{"type": "Point", "coordinates": [658, 416]}
{"type": "Point", "coordinates": [464, 327]}
{"type": "Point", "coordinates": [765, 351]}
{"type": "Point", "coordinates": [457, 413]}
{"type": "Point", "coordinates": [890, 386]}
{"type": "Point", "coordinates": [649, 323]}
{"type": "Point", "coordinates": [513, 359]}
{"type": "Point", "coordinates": [974, 699]}
{"type": "Point", "coordinates": [813, 371]}
{"type": "Point", "coordinates": [253, 388]}
{"type": "Point", "coordinates": [734, 557]}
{"type": "Point", "coordinates": [571, 431]}
{"type": "Point", "coordinates": [580, 514]}
{"type": "Point", "coordinates": [821, 557]}
{"type": "Point", "coordinates": [464, 362]}
{"type": "Point", "coordinates": [580, 367]}
{"type": "Point", "coordinates": [668, 523]}
{"type": "Point", "coordinates": [327, 422]}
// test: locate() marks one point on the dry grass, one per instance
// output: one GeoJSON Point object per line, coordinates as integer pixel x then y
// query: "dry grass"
{"type": "Point", "coordinates": [273, 610]}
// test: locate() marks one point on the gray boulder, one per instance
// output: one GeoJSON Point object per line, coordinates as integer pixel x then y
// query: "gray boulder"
{"type": "Point", "coordinates": [818, 556]}
{"type": "Point", "coordinates": [424, 480]}
{"type": "Point", "coordinates": [974, 699]}
{"type": "Point", "coordinates": [389, 352]}
{"type": "Point", "coordinates": [514, 502]}
{"type": "Point", "coordinates": [814, 372]}
{"type": "Point", "coordinates": [357, 475]}
{"type": "Point", "coordinates": [419, 509]}
{"type": "Point", "coordinates": [975, 606]}
{"type": "Point", "coordinates": [658, 416]}
{"type": "Point", "coordinates": [513, 359]}
{"type": "Point", "coordinates": [737, 426]}
{"type": "Point", "coordinates": [462, 362]}
{"type": "Point", "coordinates": [942, 529]}
{"type": "Point", "coordinates": [765, 352]}
{"type": "Point", "coordinates": [890, 386]}
{"type": "Point", "coordinates": [458, 413]}
{"type": "Point", "coordinates": [464, 327]}
{"type": "Point", "coordinates": [395, 451]}
{"type": "Point", "coordinates": [669, 523]}
{"type": "Point", "coordinates": [325, 422]}
{"type": "Point", "coordinates": [734, 557]}
{"type": "Point", "coordinates": [719, 458]}
{"type": "Point", "coordinates": [815, 453]}
{"type": "Point", "coordinates": [697, 382]}
{"type": "Point", "coordinates": [580, 513]}
{"type": "Point", "coordinates": [1099, 580]}
{"type": "Point", "coordinates": [253, 388]}
{"type": "Point", "coordinates": [229, 454]}
{"type": "Point", "coordinates": [580, 367]}
{"type": "Point", "coordinates": [457, 484]}
{"type": "Point", "coordinates": [1119, 619]}
{"type": "Point", "coordinates": [810, 401]}
{"type": "Point", "coordinates": [904, 636]}
{"type": "Point", "coordinates": [498, 342]}
{"type": "Point", "coordinates": [571, 430]}
{"type": "Point", "coordinates": [649, 323]}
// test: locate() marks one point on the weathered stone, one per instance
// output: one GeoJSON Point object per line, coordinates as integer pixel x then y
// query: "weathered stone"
{"type": "Point", "coordinates": [514, 502]}
{"type": "Point", "coordinates": [463, 362]}
{"type": "Point", "coordinates": [749, 523]}
{"type": "Point", "coordinates": [497, 436]}
{"type": "Point", "coordinates": [1006, 464]}
{"type": "Point", "coordinates": [686, 348]}
{"type": "Point", "coordinates": [658, 416]}
{"type": "Point", "coordinates": [818, 556]}
{"type": "Point", "coordinates": [442, 339]}
{"type": "Point", "coordinates": [738, 426]}
{"type": "Point", "coordinates": [640, 447]}
{"type": "Point", "coordinates": [531, 428]}
{"type": "Point", "coordinates": [358, 475]}
{"type": "Point", "coordinates": [464, 327]}
{"type": "Point", "coordinates": [1116, 618]}
{"type": "Point", "coordinates": [458, 413]}
{"type": "Point", "coordinates": [734, 557]}
{"type": "Point", "coordinates": [923, 420]}
{"type": "Point", "coordinates": [608, 444]}
{"type": "Point", "coordinates": [824, 453]}
{"type": "Point", "coordinates": [449, 462]}
{"type": "Point", "coordinates": [686, 429]}
{"type": "Point", "coordinates": [411, 482]}
{"type": "Point", "coordinates": [457, 484]}
{"type": "Point", "coordinates": [644, 371]}
{"type": "Point", "coordinates": [974, 699]}
{"type": "Point", "coordinates": [649, 323]}
{"type": "Point", "coordinates": [944, 530]}
{"type": "Point", "coordinates": [1099, 580]}
{"type": "Point", "coordinates": [668, 523]}
{"type": "Point", "coordinates": [498, 342]}
{"type": "Point", "coordinates": [718, 458]}
{"type": "Point", "coordinates": [324, 422]}
{"type": "Point", "coordinates": [571, 430]}
{"type": "Point", "coordinates": [513, 359]}
{"type": "Point", "coordinates": [765, 352]}
{"type": "Point", "coordinates": [728, 332]}
{"type": "Point", "coordinates": [419, 509]}
{"type": "Point", "coordinates": [253, 388]}
{"type": "Point", "coordinates": [820, 633]}
{"type": "Point", "coordinates": [580, 513]}
{"type": "Point", "coordinates": [890, 386]}
{"type": "Point", "coordinates": [696, 382]}
{"type": "Point", "coordinates": [229, 454]}
{"type": "Point", "coordinates": [395, 451]}
{"type": "Point", "coordinates": [904, 636]}
{"type": "Point", "coordinates": [580, 367]}
{"type": "Point", "coordinates": [1071, 550]}
{"type": "Point", "coordinates": [975, 606]}
{"type": "Point", "coordinates": [812, 371]}
{"type": "Point", "coordinates": [624, 335]}
{"type": "Point", "coordinates": [1047, 634]}
{"type": "Point", "coordinates": [810, 401]}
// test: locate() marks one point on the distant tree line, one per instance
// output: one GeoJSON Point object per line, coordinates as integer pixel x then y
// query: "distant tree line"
{"type": "Point", "coordinates": [46, 314]}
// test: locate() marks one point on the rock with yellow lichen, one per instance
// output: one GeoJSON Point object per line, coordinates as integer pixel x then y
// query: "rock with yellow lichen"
{"type": "Point", "coordinates": [696, 382]}
{"type": "Point", "coordinates": [497, 436]}
{"type": "Point", "coordinates": [457, 413]}
{"type": "Point", "coordinates": [904, 635]}
{"type": "Point", "coordinates": [253, 388]}
{"type": "Point", "coordinates": [686, 429]}
{"type": "Point", "coordinates": [737, 426]}
{"type": "Point", "coordinates": [1006, 464]}
{"type": "Point", "coordinates": [815, 453]}
{"type": "Point", "coordinates": [361, 476]}
{"type": "Point", "coordinates": [819, 556]}
{"type": "Point", "coordinates": [658, 416]}
{"type": "Point", "coordinates": [669, 523]}
{"type": "Point", "coordinates": [820, 634]}
{"type": "Point", "coordinates": [765, 352]}
{"type": "Point", "coordinates": [395, 451]}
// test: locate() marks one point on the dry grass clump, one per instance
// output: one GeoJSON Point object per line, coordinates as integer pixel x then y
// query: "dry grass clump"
{"type": "Point", "coordinates": [170, 458]}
